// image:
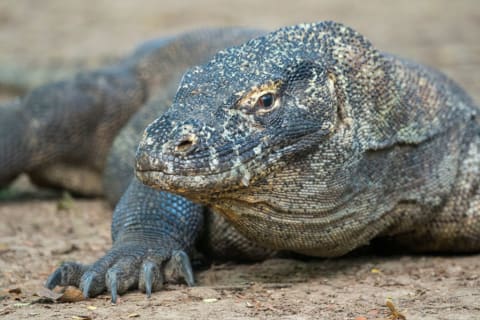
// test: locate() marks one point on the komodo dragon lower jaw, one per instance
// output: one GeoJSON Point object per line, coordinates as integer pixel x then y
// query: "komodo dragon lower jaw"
{"type": "Point", "coordinates": [178, 184]}
{"type": "Point", "coordinates": [199, 188]}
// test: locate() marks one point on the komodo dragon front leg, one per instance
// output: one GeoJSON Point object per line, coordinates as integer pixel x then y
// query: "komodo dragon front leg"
{"type": "Point", "coordinates": [61, 134]}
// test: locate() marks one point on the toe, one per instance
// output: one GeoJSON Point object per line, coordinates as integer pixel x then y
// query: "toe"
{"type": "Point", "coordinates": [151, 278]}
{"type": "Point", "coordinates": [92, 284]}
{"type": "Point", "coordinates": [179, 267]}
{"type": "Point", "coordinates": [122, 276]}
{"type": "Point", "coordinates": [68, 274]}
{"type": "Point", "coordinates": [54, 279]}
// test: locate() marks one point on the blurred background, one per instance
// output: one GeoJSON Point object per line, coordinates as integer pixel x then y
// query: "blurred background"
{"type": "Point", "coordinates": [50, 39]}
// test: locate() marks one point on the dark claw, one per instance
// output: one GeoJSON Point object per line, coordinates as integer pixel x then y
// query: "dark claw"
{"type": "Point", "coordinates": [54, 279]}
{"type": "Point", "coordinates": [182, 263]}
{"type": "Point", "coordinates": [112, 282]}
{"type": "Point", "coordinates": [151, 279]}
{"type": "Point", "coordinates": [148, 277]}
{"type": "Point", "coordinates": [87, 281]}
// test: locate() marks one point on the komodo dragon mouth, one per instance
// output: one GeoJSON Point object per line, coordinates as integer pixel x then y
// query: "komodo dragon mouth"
{"type": "Point", "coordinates": [215, 172]}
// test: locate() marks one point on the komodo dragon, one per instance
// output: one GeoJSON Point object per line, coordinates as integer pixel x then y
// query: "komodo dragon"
{"type": "Point", "coordinates": [306, 140]}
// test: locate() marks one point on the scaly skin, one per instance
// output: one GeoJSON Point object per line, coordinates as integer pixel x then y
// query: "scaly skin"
{"type": "Point", "coordinates": [307, 139]}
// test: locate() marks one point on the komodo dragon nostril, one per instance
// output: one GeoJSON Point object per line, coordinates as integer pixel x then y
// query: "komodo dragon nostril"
{"type": "Point", "coordinates": [186, 144]}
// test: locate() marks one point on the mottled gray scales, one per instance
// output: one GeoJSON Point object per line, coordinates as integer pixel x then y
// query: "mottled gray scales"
{"type": "Point", "coordinates": [307, 139]}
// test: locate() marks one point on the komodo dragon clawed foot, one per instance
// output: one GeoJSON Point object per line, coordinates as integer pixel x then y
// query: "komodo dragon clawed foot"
{"type": "Point", "coordinates": [125, 267]}
{"type": "Point", "coordinates": [151, 231]}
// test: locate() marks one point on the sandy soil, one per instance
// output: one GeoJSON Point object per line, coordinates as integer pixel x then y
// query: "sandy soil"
{"type": "Point", "coordinates": [35, 235]}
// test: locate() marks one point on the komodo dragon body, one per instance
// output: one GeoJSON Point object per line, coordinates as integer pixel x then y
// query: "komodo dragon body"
{"type": "Point", "coordinates": [307, 139]}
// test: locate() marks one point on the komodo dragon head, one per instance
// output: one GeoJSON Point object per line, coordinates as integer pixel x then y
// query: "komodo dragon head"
{"type": "Point", "coordinates": [272, 134]}
{"type": "Point", "coordinates": [243, 116]}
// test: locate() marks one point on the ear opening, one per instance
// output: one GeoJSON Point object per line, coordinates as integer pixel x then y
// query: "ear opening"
{"type": "Point", "coordinates": [339, 98]}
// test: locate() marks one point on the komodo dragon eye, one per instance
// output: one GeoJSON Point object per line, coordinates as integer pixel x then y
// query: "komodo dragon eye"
{"type": "Point", "coordinates": [266, 101]}
{"type": "Point", "coordinates": [262, 99]}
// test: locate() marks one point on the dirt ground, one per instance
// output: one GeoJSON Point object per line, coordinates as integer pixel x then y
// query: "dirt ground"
{"type": "Point", "coordinates": [45, 40]}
